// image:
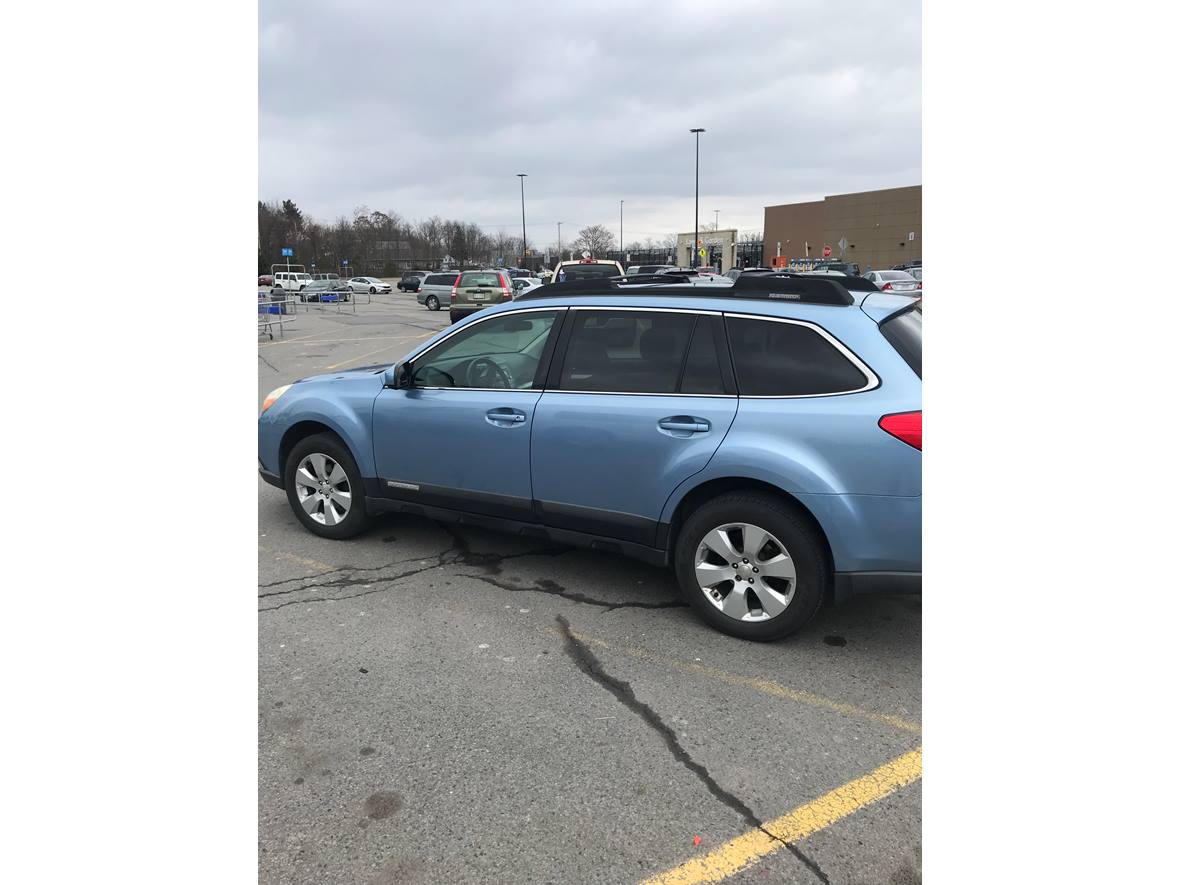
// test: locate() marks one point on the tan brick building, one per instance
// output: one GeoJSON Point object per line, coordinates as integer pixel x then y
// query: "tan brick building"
{"type": "Point", "coordinates": [881, 228]}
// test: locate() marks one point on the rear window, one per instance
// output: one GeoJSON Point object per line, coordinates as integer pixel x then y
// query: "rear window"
{"type": "Point", "coordinates": [787, 359]}
{"type": "Point", "coordinates": [895, 275]}
{"type": "Point", "coordinates": [904, 332]}
{"type": "Point", "coordinates": [589, 271]}
{"type": "Point", "coordinates": [480, 278]}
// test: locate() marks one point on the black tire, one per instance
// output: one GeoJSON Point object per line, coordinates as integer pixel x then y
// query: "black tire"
{"type": "Point", "coordinates": [372, 290]}
{"type": "Point", "coordinates": [357, 518]}
{"type": "Point", "coordinates": [432, 302]}
{"type": "Point", "coordinates": [784, 522]}
{"type": "Point", "coordinates": [455, 317]}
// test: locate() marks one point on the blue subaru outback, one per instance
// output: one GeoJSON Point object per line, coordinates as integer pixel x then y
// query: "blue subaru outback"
{"type": "Point", "coordinates": [765, 441]}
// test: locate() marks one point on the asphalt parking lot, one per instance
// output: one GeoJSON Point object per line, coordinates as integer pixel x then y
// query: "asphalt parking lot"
{"type": "Point", "coordinates": [440, 703]}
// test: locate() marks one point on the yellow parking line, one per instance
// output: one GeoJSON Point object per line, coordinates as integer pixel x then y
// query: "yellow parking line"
{"type": "Point", "coordinates": [370, 353]}
{"type": "Point", "coordinates": [766, 686]}
{"type": "Point", "coordinates": [313, 564]}
{"type": "Point", "coordinates": [750, 847]}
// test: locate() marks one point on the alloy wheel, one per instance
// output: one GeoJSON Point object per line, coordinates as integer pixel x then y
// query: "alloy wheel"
{"type": "Point", "coordinates": [323, 489]}
{"type": "Point", "coordinates": [745, 572]}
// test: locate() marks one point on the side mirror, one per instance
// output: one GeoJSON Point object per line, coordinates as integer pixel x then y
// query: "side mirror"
{"type": "Point", "coordinates": [397, 376]}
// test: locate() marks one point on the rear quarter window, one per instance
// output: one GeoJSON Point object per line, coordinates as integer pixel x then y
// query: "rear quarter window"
{"type": "Point", "coordinates": [904, 332]}
{"type": "Point", "coordinates": [775, 358]}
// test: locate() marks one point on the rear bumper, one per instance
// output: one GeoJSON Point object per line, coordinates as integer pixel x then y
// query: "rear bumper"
{"type": "Point", "coordinates": [849, 584]}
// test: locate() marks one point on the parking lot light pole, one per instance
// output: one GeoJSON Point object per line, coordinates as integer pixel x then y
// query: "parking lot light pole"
{"type": "Point", "coordinates": [696, 213]}
{"type": "Point", "coordinates": [559, 242]}
{"type": "Point", "coordinates": [523, 236]}
{"type": "Point", "coordinates": [621, 259]}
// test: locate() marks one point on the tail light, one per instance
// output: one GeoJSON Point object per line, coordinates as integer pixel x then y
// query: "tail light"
{"type": "Point", "coordinates": [919, 284]}
{"type": "Point", "coordinates": [906, 426]}
{"type": "Point", "coordinates": [887, 286]}
{"type": "Point", "coordinates": [455, 291]}
{"type": "Point", "coordinates": [507, 295]}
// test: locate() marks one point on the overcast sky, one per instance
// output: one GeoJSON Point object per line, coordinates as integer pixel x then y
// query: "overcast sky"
{"type": "Point", "coordinates": [433, 106]}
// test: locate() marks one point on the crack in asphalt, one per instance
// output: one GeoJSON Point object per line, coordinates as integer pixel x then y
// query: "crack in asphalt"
{"type": "Point", "coordinates": [365, 581]}
{"type": "Point", "coordinates": [459, 553]}
{"type": "Point", "coordinates": [552, 588]}
{"type": "Point", "coordinates": [586, 661]}
{"type": "Point", "coordinates": [265, 360]}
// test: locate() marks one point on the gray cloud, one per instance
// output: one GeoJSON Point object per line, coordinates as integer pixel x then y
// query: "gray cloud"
{"type": "Point", "coordinates": [433, 107]}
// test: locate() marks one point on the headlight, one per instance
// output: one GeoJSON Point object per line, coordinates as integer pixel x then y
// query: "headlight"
{"type": "Point", "coordinates": [274, 395]}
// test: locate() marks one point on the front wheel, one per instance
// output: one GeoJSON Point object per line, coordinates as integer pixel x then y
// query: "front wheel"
{"type": "Point", "coordinates": [751, 566]}
{"type": "Point", "coordinates": [372, 290]}
{"type": "Point", "coordinates": [325, 488]}
{"type": "Point", "coordinates": [432, 302]}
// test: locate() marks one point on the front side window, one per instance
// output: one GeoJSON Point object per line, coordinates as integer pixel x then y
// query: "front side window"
{"type": "Point", "coordinates": [626, 351]}
{"type": "Point", "coordinates": [503, 352]}
{"type": "Point", "coordinates": [788, 359]}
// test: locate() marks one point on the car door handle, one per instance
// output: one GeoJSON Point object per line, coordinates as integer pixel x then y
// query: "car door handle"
{"type": "Point", "coordinates": [505, 417]}
{"type": "Point", "coordinates": [685, 424]}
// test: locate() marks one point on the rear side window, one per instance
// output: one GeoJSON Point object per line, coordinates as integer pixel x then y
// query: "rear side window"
{"type": "Point", "coordinates": [904, 332]}
{"type": "Point", "coordinates": [787, 359]}
{"type": "Point", "coordinates": [626, 351]}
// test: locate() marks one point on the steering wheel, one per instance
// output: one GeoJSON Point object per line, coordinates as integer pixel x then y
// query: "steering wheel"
{"type": "Point", "coordinates": [484, 372]}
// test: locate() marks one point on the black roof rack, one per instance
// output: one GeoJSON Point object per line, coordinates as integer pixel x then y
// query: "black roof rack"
{"type": "Point", "coordinates": [852, 284]}
{"type": "Point", "coordinates": [799, 289]}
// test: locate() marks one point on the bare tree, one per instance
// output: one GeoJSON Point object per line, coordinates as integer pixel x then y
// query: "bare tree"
{"type": "Point", "coordinates": [596, 240]}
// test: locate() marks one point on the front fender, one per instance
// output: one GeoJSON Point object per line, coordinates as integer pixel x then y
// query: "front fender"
{"type": "Point", "coordinates": [349, 417]}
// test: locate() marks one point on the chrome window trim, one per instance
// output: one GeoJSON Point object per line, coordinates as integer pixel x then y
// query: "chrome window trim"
{"type": "Point", "coordinates": [712, 313]}
{"type": "Point", "coordinates": [642, 393]}
{"type": "Point", "coordinates": [873, 381]}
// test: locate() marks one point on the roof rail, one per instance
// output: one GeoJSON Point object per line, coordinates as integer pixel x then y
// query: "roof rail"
{"type": "Point", "coordinates": [804, 290]}
{"type": "Point", "coordinates": [852, 284]}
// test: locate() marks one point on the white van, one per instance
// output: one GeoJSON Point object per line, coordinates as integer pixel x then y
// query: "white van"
{"type": "Point", "coordinates": [291, 280]}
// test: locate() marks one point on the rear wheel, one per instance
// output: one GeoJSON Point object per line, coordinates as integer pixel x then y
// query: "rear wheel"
{"type": "Point", "coordinates": [432, 302]}
{"type": "Point", "coordinates": [325, 488]}
{"type": "Point", "coordinates": [751, 566]}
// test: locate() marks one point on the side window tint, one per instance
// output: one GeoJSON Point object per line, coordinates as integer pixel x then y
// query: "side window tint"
{"type": "Point", "coordinates": [702, 369]}
{"type": "Point", "coordinates": [503, 352]}
{"type": "Point", "coordinates": [786, 359]}
{"type": "Point", "coordinates": [626, 351]}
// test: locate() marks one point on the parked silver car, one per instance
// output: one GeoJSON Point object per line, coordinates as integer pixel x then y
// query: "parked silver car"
{"type": "Point", "coordinates": [435, 290]}
{"type": "Point", "coordinates": [894, 281]}
{"type": "Point", "coordinates": [372, 285]}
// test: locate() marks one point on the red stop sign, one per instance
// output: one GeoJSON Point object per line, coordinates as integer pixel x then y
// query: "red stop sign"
{"type": "Point", "coordinates": [827, 251]}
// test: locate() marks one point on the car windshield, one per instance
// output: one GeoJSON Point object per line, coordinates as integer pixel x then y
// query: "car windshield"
{"type": "Point", "coordinates": [589, 271]}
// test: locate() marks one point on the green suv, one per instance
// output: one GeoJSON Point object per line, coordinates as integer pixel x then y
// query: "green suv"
{"type": "Point", "coordinates": [476, 289]}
